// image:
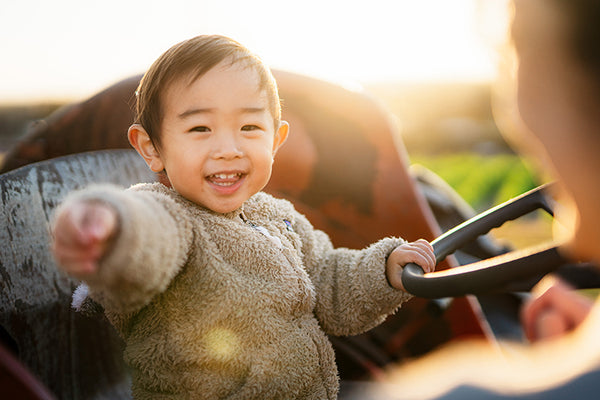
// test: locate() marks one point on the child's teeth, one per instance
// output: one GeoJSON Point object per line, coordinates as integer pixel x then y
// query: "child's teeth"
{"type": "Point", "coordinates": [225, 179]}
{"type": "Point", "coordinates": [225, 176]}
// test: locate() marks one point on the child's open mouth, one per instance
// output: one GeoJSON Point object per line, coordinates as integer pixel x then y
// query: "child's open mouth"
{"type": "Point", "coordinates": [225, 179]}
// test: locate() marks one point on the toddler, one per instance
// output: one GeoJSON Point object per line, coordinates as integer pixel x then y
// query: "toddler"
{"type": "Point", "coordinates": [220, 290]}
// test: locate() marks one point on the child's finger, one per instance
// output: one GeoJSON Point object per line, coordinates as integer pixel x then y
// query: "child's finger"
{"type": "Point", "coordinates": [414, 255]}
{"type": "Point", "coordinates": [93, 223]}
{"type": "Point", "coordinates": [74, 258]}
{"type": "Point", "coordinates": [76, 254]}
{"type": "Point", "coordinates": [98, 222]}
{"type": "Point", "coordinates": [79, 268]}
{"type": "Point", "coordinates": [427, 250]}
{"type": "Point", "coordinates": [425, 263]}
{"type": "Point", "coordinates": [426, 257]}
{"type": "Point", "coordinates": [81, 236]}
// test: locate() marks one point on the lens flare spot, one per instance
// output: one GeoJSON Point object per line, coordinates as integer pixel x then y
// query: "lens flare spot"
{"type": "Point", "coordinates": [221, 343]}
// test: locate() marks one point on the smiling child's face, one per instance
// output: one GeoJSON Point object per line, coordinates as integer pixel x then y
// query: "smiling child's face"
{"type": "Point", "coordinates": [218, 137]}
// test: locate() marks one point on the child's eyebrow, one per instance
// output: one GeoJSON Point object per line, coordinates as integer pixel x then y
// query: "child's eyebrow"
{"type": "Point", "coordinates": [194, 111]}
{"type": "Point", "coordinates": [253, 110]}
{"type": "Point", "coordinates": [243, 110]}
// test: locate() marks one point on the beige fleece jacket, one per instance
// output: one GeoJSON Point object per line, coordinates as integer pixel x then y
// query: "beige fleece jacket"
{"type": "Point", "coordinates": [211, 306]}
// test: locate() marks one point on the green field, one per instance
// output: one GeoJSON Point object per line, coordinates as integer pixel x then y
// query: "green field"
{"type": "Point", "coordinates": [487, 180]}
{"type": "Point", "coordinates": [482, 180]}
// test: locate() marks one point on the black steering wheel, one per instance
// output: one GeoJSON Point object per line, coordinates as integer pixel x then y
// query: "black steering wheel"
{"type": "Point", "coordinates": [494, 274]}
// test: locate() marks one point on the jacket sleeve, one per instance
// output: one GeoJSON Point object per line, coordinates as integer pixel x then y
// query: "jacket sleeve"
{"type": "Point", "coordinates": [352, 291]}
{"type": "Point", "coordinates": [150, 248]}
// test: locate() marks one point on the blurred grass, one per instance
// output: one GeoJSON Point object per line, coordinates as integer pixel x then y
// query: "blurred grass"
{"type": "Point", "coordinates": [482, 180]}
{"type": "Point", "coordinates": [485, 181]}
{"type": "Point", "coordinates": [525, 232]}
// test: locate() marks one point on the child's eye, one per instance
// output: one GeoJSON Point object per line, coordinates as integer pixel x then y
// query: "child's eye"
{"type": "Point", "coordinates": [200, 129]}
{"type": "Point", "coordinates": [250, 128]}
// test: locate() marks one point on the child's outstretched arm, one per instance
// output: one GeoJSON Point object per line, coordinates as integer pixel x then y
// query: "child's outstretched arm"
{"type": "Point", "coordinates": [127, 245]}
{"type": "Point", "coordinates": [82, 233]}
{"type": "Point", "coordinates": [419, 252]}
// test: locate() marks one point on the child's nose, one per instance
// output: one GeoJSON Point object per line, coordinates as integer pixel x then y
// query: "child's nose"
{"type": "Point", "coordinates": [227, 147]}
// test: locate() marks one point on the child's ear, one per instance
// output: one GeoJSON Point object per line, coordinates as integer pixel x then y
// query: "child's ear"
{"type": "Point", "coordinates": [281, 135]}
{"type": "Point", "coordinates": [140, 140]}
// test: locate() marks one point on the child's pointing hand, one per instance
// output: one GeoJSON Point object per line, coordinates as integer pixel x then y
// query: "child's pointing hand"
{"type": "Point", "coordinates": [419, 252]}
{"type": "Point", "coordinates": [82, 233]}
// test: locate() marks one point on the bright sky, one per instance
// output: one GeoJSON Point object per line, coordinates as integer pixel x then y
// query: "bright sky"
{"type": "Point", "coordinates": [72, 48]}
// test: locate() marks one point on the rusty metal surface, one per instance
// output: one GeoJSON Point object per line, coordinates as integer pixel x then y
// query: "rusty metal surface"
{"type": "Point", "coordinates": [75, 356]}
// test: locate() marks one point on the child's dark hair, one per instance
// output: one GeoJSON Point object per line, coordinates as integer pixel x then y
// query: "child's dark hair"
{"type": "Point", "coordinates": [193, 58]}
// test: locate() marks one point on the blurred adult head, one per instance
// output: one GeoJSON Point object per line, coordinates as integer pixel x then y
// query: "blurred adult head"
{"type": "Point", "coordinates": [557, 44]}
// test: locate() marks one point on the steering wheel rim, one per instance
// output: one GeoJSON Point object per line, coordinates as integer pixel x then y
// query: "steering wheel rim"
{"type": "Point", "coordinates": [496, 273]}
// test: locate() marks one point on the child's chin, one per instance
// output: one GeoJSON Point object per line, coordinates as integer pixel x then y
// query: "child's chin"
{"type": "Point", "coordinates": [225, 208]}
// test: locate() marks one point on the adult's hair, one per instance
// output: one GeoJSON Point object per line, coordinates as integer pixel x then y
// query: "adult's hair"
{"type": "Point", "coordinates": [191, 59]}
{"type": "Point", "coordinates": [583, 18]}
